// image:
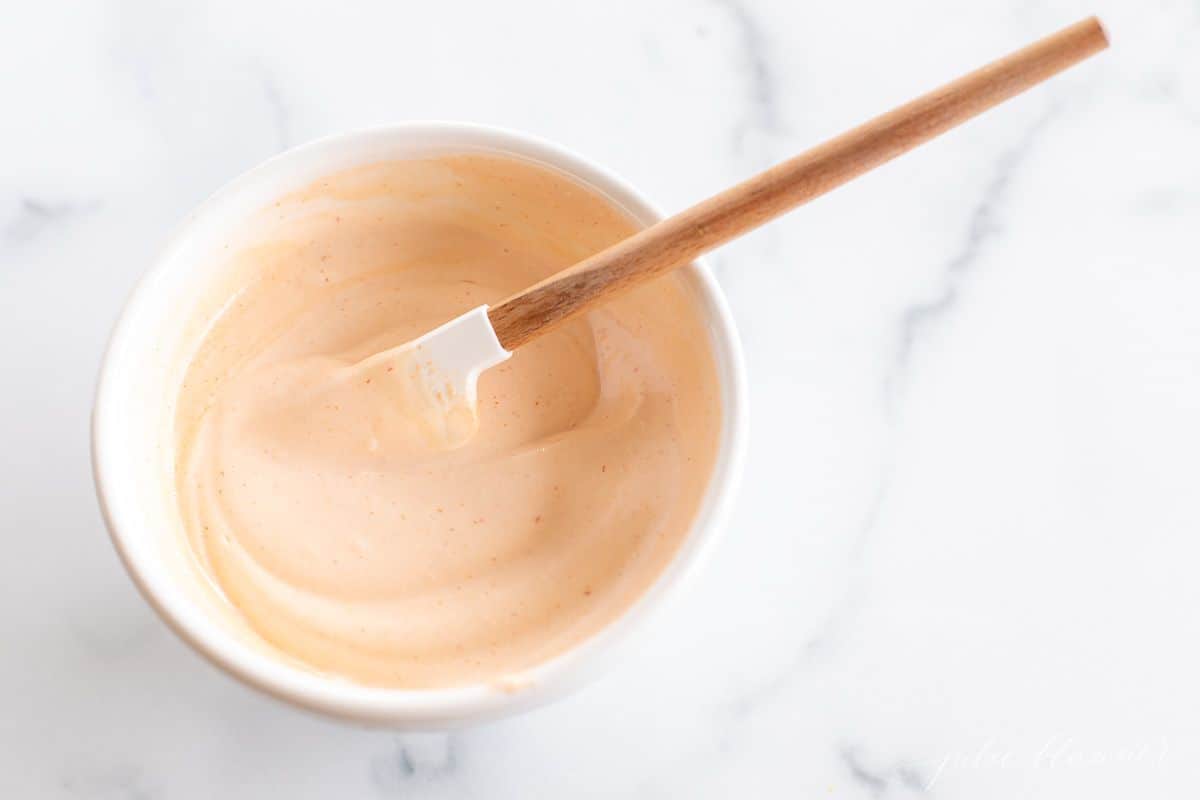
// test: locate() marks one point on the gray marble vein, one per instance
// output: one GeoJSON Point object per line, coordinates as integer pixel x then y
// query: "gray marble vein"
{"type": "Point", "coordinates": [982, 226]}
{"type": "Point", "coordinates": [34, 215]}
{"type": "Point", "coordinates": [414, 757]}
{"type": "Point", "coordinates": [280, 116]}
{"type": "Point", "coordinates": [762, 113]}
{"type": "Point", "coordinates": [880, 781]}
{"type": "Point", "coordinates": [873, 781]}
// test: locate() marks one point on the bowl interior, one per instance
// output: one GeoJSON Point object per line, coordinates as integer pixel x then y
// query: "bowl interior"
{"type": "Point", "coordinates": [133, 439]}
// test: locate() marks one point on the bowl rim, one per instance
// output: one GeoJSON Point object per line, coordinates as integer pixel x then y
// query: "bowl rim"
{"type": "Point", "coordinates": [436, 707]}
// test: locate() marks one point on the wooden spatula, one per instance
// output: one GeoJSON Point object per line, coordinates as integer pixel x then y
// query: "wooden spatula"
{"type": "Point", "coordinates": [452, 356]}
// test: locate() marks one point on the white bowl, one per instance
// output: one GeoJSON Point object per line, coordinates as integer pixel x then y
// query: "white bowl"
{"type": "Point", "coordinates": [133, 444]}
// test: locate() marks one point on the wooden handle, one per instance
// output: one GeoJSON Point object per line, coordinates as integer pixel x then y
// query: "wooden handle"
{"type": "Point", "coordinates": [685, 236]}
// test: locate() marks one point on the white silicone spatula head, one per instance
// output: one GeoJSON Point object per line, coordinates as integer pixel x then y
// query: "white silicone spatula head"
{"type": "Point", "coordinates": [437, 373]}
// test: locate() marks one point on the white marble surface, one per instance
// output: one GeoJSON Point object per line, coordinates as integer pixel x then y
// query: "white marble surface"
{"type": "Point", "coordinates": [964, 561]}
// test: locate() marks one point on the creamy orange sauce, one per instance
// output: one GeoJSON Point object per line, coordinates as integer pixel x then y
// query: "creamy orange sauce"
{"type": "Point", "coordinates": [348, 538]}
